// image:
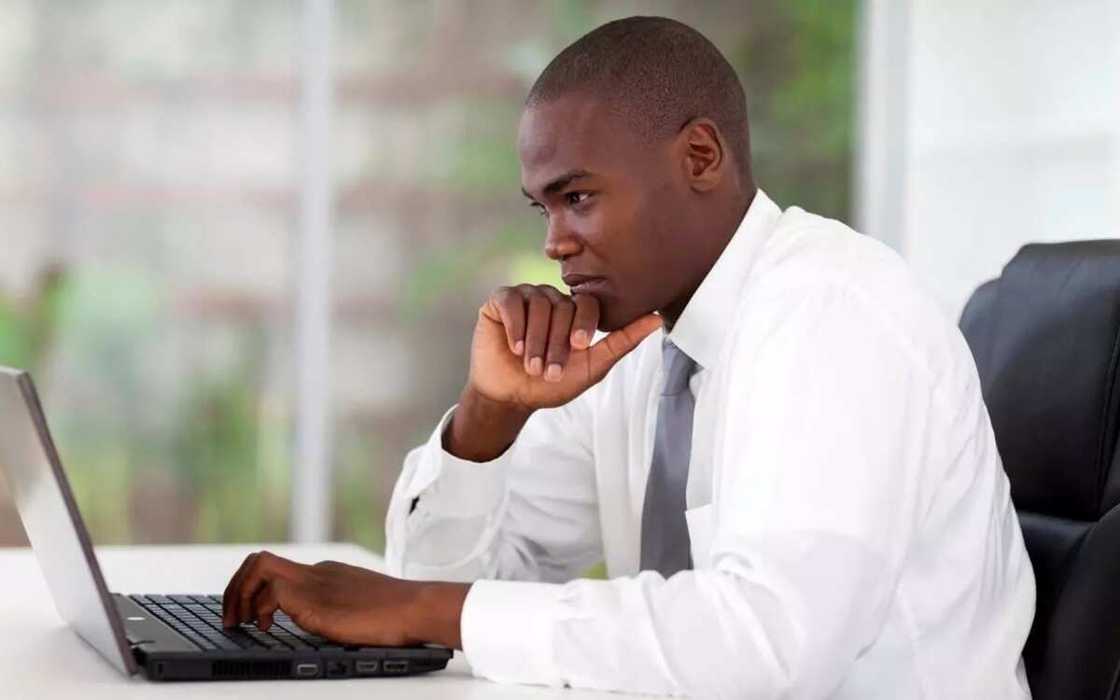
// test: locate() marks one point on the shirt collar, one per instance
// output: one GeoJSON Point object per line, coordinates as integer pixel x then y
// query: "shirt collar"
{"type": "Point", "coordinates": [702, 326]}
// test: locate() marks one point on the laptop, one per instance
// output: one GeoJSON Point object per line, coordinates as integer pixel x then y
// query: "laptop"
{"type": "Point", "coordinates": [164, 637]}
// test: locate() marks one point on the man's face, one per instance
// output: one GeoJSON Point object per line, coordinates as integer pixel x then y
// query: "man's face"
{"type": "Point", "coordinates": [610, 206]}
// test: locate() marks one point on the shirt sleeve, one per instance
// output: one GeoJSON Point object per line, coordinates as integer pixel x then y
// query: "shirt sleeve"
{"type": "Point", "coordinates": [530, 514]}
{"type": "Point", "coordinates": [816, 487]}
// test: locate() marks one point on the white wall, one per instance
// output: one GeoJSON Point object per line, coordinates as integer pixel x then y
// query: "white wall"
{"type": "Point", "coordinates": [987, 125]}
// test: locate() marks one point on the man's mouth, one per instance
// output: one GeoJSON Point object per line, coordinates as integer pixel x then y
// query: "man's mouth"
{"type": "Point", "coordinates": [585, 284]}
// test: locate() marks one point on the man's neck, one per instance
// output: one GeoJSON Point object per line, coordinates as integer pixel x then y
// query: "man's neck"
{"type": "Point", "coordinates": [722, 233]}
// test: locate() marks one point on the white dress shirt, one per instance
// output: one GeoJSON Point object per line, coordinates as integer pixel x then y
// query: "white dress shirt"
{"type": "Point", "coordinates": [851, 523]}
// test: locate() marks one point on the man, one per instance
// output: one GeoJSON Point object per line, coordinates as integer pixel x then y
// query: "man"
{"type": "Point", "coordinates": [779, 448]}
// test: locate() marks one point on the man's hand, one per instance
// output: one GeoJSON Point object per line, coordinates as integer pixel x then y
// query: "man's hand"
{"type": "Point", "coordinates": [532, 346]}
{"type": "Point", "coordinates": [532, 349]}
{"type": "Point", "coordinates": [343, 603]}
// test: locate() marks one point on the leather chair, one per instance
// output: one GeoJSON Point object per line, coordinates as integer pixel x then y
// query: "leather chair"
{"type": "Point", "coordinates": [1046, 338]}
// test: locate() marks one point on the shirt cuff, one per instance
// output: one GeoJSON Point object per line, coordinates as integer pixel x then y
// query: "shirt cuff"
{"type": "Point", "coordinates": [507, 628]}
{"type": "Point", "coordinates": [453, 487]}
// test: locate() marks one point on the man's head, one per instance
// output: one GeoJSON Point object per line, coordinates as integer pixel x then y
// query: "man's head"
{"type": "Point", "coordinates": [634, 144]}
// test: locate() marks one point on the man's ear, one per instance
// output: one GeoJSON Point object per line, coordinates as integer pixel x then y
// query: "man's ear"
{"type": "Point", "coordinates": [703, 154]}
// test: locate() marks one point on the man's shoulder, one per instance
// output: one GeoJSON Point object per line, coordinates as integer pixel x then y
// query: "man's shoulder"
{"type": "Point", "coordinates": [815, 265]}
{"type": "Point", "coordinates": [808, 250]}
{"type": "Point", "coordinates": [811, 255]}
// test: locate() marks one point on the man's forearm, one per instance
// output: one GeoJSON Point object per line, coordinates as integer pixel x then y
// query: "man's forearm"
{"type": "Point", "coordinates": [481, 429]}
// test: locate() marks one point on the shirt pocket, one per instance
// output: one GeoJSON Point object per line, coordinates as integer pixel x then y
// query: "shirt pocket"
{"type": "Point", "coordinates": [699, 521]}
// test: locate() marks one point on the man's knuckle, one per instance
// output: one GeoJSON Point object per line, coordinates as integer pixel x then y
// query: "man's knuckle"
{"type": "Point", "coordinates": [542, 306]}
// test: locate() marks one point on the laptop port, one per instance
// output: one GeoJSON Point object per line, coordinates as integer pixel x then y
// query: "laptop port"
{"type": "Point", "coordinates": [365, 668]}
{"type": "Point", "coordinates": [395, 666]}
{"type": "Point", "coordinates": [337, 669]}
{"type": "Point", "coordinates": [307, 670]}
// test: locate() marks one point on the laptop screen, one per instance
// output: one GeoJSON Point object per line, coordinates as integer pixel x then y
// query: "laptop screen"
{"type": "Point", "coordinates": [50, 517]}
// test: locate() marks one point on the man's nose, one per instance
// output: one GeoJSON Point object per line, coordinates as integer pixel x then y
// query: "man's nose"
{"type": "Point", "coordinates": [560, 242]}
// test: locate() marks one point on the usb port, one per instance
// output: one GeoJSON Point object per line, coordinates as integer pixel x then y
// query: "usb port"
{"type": "Point", "coordinates": [395, 666]}
{"type": "Point", "coordinates": [365, 668]}
{"type": "Point", "coordinates": [307, 670]}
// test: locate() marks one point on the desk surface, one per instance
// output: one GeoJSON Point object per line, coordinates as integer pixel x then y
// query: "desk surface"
{"type": "Point", "coordinates": [41, 658]}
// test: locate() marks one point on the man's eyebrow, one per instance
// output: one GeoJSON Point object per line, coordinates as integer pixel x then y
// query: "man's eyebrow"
{"type": "Point", "coordinates": [560, 182]}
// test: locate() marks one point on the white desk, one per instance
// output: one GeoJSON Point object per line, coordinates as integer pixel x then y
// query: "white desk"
{"type": "Point", "coordinates": [41, 658]}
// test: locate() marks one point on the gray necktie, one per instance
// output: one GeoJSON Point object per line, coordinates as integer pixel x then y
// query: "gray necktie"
{"type": "Point", "coordinates": [665, 543]}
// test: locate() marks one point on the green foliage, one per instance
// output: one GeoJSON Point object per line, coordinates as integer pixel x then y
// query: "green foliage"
{"type": "Point", "coordinates": [483, 159]}
{"type": "Point", "coordinates": [800, 79]}
{"type": "Point", "coordinates": [205, 469]}
{"type": "Point", "coordinates": [15, 341]}
{"type": "Point", "coordinates": [26, 330]}
{"type": "Point", "coordinates": [534, 268]}
{"type": "Point", "coordinates": [599, 571]}
{"type": "Point", "coordinates": [444, 273]}
{"type": "Point", "coordinates": [217, 450]}
{"type": "Point", "coordinates": [357, 490]}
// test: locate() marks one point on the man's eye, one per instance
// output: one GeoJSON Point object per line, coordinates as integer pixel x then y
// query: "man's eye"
{"type": "Point", "coordinates": [575, 198]}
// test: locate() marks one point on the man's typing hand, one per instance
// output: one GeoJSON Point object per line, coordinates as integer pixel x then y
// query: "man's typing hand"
{"type": "Point", "coordinates": [532, 349]}
{"type": "Point", "coordinates": [344, 603]}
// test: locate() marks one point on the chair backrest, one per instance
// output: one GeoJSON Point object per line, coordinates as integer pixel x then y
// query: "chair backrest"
{"type": "Point", "coordinates": [1046, 338]}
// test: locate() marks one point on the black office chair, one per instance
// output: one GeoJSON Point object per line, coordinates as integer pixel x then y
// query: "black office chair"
{"type": "Point", "coordinates": [1046, 337]}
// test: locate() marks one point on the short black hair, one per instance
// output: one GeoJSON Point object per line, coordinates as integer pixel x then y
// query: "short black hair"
{"type": "Point", "coordinates": [658, 74]}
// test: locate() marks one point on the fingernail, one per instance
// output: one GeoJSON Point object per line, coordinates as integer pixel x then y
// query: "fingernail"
{"type": "Point", "coordinates": [535, 366]}
{"type": "Point", "coordinates": [579, 339]}
{"type": "Point", "coordinates": [519, 347]}
{"type": "Point", "coordinates": [554, 373]}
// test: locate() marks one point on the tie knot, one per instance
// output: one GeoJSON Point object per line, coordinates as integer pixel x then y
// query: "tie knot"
{"type": "Point", "coordinates": [678, 368]}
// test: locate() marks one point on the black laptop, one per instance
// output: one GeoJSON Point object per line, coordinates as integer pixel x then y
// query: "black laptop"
{"type": "Point", "coordinates": [166, 637]}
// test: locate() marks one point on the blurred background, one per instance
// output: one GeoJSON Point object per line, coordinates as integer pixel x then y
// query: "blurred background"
{"type": "Point", "coordinates": [243, 242]}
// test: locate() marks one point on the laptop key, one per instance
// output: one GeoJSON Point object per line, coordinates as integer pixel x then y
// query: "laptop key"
{"type": "Point", "coordinates": [200, 640]}
{"type": "Point", "coordinates": [274, 644]}
{"type": "Point", "coordinates": [163, 615]}
{"type": "Point", "coordinates": [293, 641]}
{"type": "Point", "coordinates": [288, 624]}
{"type": "Point", "coordinates": [220, 640]}
{"type": "Point", "coordinates": [238, 636]}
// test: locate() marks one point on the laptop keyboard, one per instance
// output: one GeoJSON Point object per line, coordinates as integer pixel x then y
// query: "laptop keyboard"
{"type": "Point", "coordinates": [199, 619]}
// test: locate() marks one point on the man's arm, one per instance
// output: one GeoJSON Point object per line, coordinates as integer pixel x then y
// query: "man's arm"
{"type": "Point", "coordinates": [530, 359]}
{"type": "Point", "coordinates": [528, 514]}
{"type": "Point", "coordinates": [472, 504]}
{"type": "Point", "coordinates": [820, 477]}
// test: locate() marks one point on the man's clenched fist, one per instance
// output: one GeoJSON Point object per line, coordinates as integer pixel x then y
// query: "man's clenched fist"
{"type": "Point", "coordinates": [532, 349]}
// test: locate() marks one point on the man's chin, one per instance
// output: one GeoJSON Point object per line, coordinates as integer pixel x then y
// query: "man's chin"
{"type": "Point", "coordinates": [611, 318]}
